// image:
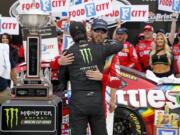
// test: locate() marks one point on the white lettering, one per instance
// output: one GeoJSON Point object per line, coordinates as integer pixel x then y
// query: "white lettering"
{"type": "Point", "coordinates": [156, 98]}
{"type": "Point", "coordinates": [171, 100]}
{"type": "Point", "coordinates": [142, 98]}
{"type": "Point", "coordinates": [146, 98]}
{"type": "Point", "coordinates": [121, 97]}
{"type": "Point", "coordinates": [133, 96]}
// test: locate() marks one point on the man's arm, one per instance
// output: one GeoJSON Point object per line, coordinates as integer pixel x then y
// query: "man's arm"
{"type": "Point", "coordinates": [111, 47]}
{"type": "Point", "coordinates": [94, 74]}
{"type": "Point", "coordinates": [112, 103]}
{"type": "Point", "coordinates": [173, 28]}
{"type": "Point", "coordinates": [118, 26]}
{"type": "Point", "coordinates": [110, 79]}
{"type": "Point", "coordinates": [134, 63]}
{"type": "Point", "coordinates": [62, 60]}
{"type": "Point", "coordinates": [64, 70]}
{"type": "Point", "coordinates": [66, 59]}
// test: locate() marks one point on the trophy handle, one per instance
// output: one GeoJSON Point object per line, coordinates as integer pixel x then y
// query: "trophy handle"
{"type": "Point", "coordinates": [50, 19]}
{"type": "Point", "coordinates": [18, 19]}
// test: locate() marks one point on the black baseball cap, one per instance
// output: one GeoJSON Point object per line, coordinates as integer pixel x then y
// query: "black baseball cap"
{"type": "Point", "coordinates": [161, 31]}
{"type": "Point", "coordinates": [121, 31]}
{"type": "Point", "coordinates": [99, 24]}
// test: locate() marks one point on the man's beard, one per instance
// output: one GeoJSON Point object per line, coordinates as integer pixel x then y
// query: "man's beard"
{"type": "Point", "coordinates": [121, 40]}
{"type": "Point", "coordinates": [99, 39]}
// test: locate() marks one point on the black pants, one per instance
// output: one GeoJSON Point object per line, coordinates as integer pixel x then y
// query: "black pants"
{"type": "Point", "coordinates": [87, 107]}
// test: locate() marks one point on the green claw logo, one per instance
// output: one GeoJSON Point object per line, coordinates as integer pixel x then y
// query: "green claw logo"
{"type": "Point", "coordinates": [178, 99]}
{"type": "Point", "coordinates": [86, 54]}
{"type": "Point", "coordinates": [11, 117]}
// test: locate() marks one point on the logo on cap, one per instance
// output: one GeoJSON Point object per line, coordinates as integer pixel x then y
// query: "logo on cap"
{"type": "Point", "coordinates": [99, 24]}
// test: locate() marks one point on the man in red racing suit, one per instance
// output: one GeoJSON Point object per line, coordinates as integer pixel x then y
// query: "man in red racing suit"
{"type": "Point", "coordinates": [144, 47]}
{"type": "Point", "coordinates": [128, 56]}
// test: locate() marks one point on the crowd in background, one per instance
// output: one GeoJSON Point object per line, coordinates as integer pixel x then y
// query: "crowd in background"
{"type": "Point", "coordinates": [154, 51]}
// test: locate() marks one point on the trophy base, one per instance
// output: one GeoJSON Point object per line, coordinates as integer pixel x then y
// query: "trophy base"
{"type": "Point", "coordinates": [35, 91]}
{"type": "Point", "coordinates": [32, 98]}
{"type": "Point", "coordinates": [28, 117]}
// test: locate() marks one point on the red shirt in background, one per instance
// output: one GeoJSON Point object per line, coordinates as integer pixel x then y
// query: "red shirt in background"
{"type": "Point", "coordinates": [128, 57]}
{"type": "Point", "coordinates": [176, 53]}
{"type": "Point", "coordinates": [143, 49]}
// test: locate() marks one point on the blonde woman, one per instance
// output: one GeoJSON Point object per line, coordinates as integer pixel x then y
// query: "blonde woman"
{"type": "Point", "coordinates": [161, 57]}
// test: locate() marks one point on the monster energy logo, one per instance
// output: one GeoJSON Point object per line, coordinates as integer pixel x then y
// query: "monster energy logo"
{"type": "Point", "coordinates": [86, 54]}
{"type": "Point", "coordinates": [178, 99]}
{"type": "Point", "coordinates": [11, 117]}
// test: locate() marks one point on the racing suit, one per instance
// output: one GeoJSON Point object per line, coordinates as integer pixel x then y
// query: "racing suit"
{"type": "Point", "coordinates": [176, 53]}
{"type": "Point", "coordinates": [143, 49]}
{"type": "Point", "coordinates": [86, 105]}
{"type": "Point", "coordinates": [128, 57]}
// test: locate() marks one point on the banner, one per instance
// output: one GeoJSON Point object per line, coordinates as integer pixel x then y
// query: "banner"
{"type": "Point", "coordinates": [90, 10]}
{"type": "Point", "coordinates": [115, 13]}
{"type": "Point", "coordinates": [169, 5]}
{"type": "Point", "coordinates": [45, 5]}
{"type": "Point", "coordinates": [49, 42]}
{"type": "Point", "coordinates": [49, 49]}
{"type": "Point", "coordinates": [77, 2]}
{"type": "Point", "coordinates": [134, 13]}
{"type": "Point", "coordinates": [9, 25]}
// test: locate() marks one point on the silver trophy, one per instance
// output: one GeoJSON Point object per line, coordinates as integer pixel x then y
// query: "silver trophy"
{"type": "Point", "coordinates": [35, 84]}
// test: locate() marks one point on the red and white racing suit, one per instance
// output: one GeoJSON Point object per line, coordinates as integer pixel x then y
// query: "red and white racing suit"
{"type": "Point", "coordinates": [143, 49]}
{"type": "Point", "coordinates": [176, 53]}
{"type": "Point", "coordinates": [128, 57]}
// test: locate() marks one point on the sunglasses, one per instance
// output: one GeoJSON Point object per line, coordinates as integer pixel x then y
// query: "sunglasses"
{"type": "Point", "coordinates": [102, 31]}
{"type": "Point", "coordinates": [141, 38]}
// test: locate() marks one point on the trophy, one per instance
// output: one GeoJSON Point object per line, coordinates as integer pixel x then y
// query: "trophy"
{"type": "Point", "coordinates": [36, 83]}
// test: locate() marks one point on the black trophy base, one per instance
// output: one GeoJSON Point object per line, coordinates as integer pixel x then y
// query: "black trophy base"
{"type": "Point", "coordinates": [20, 117]}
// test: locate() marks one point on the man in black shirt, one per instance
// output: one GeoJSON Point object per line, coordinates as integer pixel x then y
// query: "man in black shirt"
{"type": "Point", "coordinates": [86, 105]}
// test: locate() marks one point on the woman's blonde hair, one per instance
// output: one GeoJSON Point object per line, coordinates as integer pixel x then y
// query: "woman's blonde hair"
{"type": "Point", "coordinates": [166, 48]}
